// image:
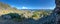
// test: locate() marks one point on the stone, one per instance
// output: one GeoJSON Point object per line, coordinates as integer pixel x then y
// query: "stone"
{"type": "Point", "coordinates": [57, 11]}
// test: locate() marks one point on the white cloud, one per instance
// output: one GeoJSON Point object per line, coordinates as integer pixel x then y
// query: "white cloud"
{"type": "Point", "coordinates": [24, 8]}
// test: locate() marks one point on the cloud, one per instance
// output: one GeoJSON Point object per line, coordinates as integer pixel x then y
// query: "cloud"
{"type": "Point", "coordinates": [24, 8]}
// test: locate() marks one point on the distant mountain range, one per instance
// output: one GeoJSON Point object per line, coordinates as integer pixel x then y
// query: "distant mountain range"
{"type": "Point", "coordinates": [37, 9]}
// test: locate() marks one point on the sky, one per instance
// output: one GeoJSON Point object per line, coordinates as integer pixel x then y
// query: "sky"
{"type": "Point", "coordinates": [31, 4]}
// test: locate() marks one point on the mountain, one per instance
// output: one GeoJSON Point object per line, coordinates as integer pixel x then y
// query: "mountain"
{"type": "Point", "coordinates": [41, 16]}
{"type": "Point", "coordinates": [27, 13]}
{"type": "Point", "coordinates": [5, 8]}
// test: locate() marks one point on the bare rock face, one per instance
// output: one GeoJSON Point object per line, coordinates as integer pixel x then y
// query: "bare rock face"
{"type": "Point", "coordinates": [57, 8]}
{"type": "Point", "coordinates": [57, 11]}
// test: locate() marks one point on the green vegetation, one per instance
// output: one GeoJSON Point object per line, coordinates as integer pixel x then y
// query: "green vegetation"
{"type": "Point", "coordinates": [15, 16]}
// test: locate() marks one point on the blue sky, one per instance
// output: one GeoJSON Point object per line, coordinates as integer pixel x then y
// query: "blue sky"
{"type": "Point", "coordinates": [31, 4]}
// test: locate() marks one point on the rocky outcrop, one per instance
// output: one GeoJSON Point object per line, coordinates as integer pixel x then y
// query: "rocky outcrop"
{"type": "Point", "coordinates": [57, 11]}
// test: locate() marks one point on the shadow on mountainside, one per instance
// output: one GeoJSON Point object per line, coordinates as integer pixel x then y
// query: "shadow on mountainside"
{"type": "Point", "coordinates": [14, 18]}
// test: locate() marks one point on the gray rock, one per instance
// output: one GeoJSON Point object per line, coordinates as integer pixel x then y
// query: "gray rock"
{"type": "Point", "coordinates": [57, 11]}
